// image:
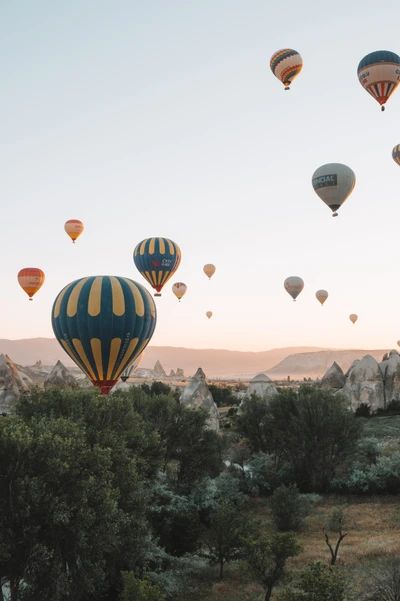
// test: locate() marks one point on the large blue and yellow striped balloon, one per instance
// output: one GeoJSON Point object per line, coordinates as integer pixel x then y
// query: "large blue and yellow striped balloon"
{"type": "Point", "coordinates": [103, 323]}
{"type": "Point", "coordinates": [157, 259]}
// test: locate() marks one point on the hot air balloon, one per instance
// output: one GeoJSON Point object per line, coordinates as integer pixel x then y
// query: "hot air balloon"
{"type": "Point", "coordinates": [133, 367]}
{"type": "Point", "coordinates": [334, 183]}
{"type": "Point", "coordinates": [31, 279]}
{"type": "Point", "coordinates": [321, 295]}
{"type": "Point", "coordinates": [398, 343]}
{"type": "Point", "coordinates": [353, 318]}
{"type": "Point", "coordinates": [104, 323]}
{"type": "Point", "coordinates": [74, 228]}
{"type": "Point", "coordinates": [286, 64]}
{"type": "Point", "coordinates": [209, 314]}
{"type": "Point", "coordinates": [179, 289]}
{"type": "Point", "coordinates": [396, 154]}
{"type": "Point", "coordinates": [209, 270]}
{"type": "Point", "coordinates": [379, 74]}
{"type": "Point", "coordinates": [293, 285]}
{"type": "Point", "coordinates": [157, 259]}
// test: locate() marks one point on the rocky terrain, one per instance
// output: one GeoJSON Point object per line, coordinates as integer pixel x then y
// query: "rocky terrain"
{"type": "Point", "coordinates": [367, 381]}
{"type": "Point", "coordinates": [197, 394]}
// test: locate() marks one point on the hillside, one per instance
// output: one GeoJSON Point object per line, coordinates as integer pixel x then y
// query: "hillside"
{"type": "Point", "coordinates": [215, 362]}
{"type": "Point", "coordinates": [313, 365]}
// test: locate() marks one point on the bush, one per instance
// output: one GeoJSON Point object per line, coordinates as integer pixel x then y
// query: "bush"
{"type": "Point", "coordinates": [363, 410]}
{"type": "Point", "coordinates": [139, 590]}
{"type": "Point", "coordinates": [289, 507]}
{"type": "Point", "coordinates": [380, 477]}
{"type": "Point", "coordinates": [393, 407]}
{"type": "Point", "coordinates": [318, 582]}
{"type": "Point", "coordinates": [223, 395]}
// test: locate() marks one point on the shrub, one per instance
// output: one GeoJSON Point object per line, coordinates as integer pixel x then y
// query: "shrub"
{"type": "Point", "coordinates": [363, 410]}
{"type": "Point", "coordinates": [289, 507]}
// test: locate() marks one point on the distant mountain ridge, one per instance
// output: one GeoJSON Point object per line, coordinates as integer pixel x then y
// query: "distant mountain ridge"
{"type": "Point", "coordinates": [278, 363]}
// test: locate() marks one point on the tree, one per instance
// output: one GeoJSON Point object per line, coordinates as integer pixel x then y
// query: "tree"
{"type": "Point", "coordinates": [267, 557]}
{"type": "Point", "coordinates": [254, 422]}
{"type": "Point", "coordinates": [223, 395]}
{"type": "Point", "coordinates": [225, 536]}
{"type": "Point", "coordinates": [136, 589]}
{"type": "Point", "coordinates": [383, 582]}
{"type": "Point", "coordinates": [318, 582]}
{"type": "Point", "coordinates": [289, 508]}
{"type": "Point", "coordinates": [315, 432]}
{"type": "Point", "coordinates": [340, 524]}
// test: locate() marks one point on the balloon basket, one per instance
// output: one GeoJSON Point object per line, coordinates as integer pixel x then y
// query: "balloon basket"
{"type": "Point", "coordinates": [31, 299]}
{"type": "Point", "coordinates": [334, 215]}
{"type": "Point", "coordinates": [382, 108]}
{"type": "Point", "coordinates": [287, 88]}
{"type": "Point", "coordinates": [157, 294]}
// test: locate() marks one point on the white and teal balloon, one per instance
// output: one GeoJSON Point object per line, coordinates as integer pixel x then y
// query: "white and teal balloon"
{"type": "Point", "coordinates": [333, 183]}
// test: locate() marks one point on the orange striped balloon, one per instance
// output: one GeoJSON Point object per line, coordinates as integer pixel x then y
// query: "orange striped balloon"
{"type": "Point", "coordinates": [31, 279]}
{"type": "Point", "coordinates": [74, 228]}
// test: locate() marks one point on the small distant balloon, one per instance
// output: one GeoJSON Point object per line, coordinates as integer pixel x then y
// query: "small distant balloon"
{"type": "Point", "coordinates": [293, 286]}
{"type": "Point", "coordinates": [179, 289]}
{"type": "Point", "coordinates": [31, 279]}
{"type": "Point", "coordinates": [333, 183]}
{"type": "Point", "coordinates": [378, 73]}
{"type": "Point", "coordinates": [286, 65]}
{"type": "Point", "coordinates": [209, 270]}
{"type": "Point", "coordinates": [74, 228]}
{"type": "Point", "coordinates": [321, 296]}
{"type": "Point", "coordinates": [396, 154]}
{"type": "Point", "coordinates": [209, 314]}
{"type": "Point", "coordinates": [353, 318]}
{"type": "Point", "coordinates": [398, 343]}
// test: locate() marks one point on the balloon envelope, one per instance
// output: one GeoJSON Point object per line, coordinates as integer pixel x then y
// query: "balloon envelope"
{"type": "Point", "coordinates": [179, 289]}
{"type": "Point", "coordinates": [209, 270]}
{"type": "Point", "coordinates": [321, 295]}
{"type": "Point", "coordinates": [74, 228]}
{"type": "Point", "coordinates": [396, 154]}
{"type": "Point", "coordinates": [133, 367]}
{"type": "Point", "coordinates": [31, 279]}
{"type": "Point", "coordinates": [398, 343]}
{"type": "Point", "coordinates": [379, 74]}
{"type": "Point", "coordinates": [209, 314]}
{"type": "Point", "coordinates": [333, 183]}
{"type": "Point", "coordinates": [286, 65]}
{"type": "Point", "coordinates": [353, 318]}
{"type": "Point", "coordinates": [104, 323]}
{"type": "Point", "coordinates": [157, 259]}
{"type": "Point", "coordinates": [293, 286]}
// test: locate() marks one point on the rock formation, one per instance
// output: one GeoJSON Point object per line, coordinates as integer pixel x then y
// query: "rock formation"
{"type": "Point", "coordinates": [263, 386]}
{"type": "Point", "coordinates": [60, 377]}
{"type": "Point", "coordinates": [365, 384]}
{"type": "Point", "coordinates": [159, 370]}
{"type": "Point", "coordinates": [390, 369]}
{"type": "Point", "coordinates": [334, 379]}
{"type": "Point", "coordinates": [197, 394]}
{"type": "Point", "coordinates": [11, 384]}
{"type": "Point", "coordinates": [172, 374]}
{"type": "Point", "coordinates": [180, 374]}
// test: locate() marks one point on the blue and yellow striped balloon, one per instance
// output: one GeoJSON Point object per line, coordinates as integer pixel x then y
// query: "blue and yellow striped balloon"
{"type": "Point", "coordinates": [157, 259]}
{"type": "Point", "coordinates": [396, 154]}
{"type": "Point", "coordinates": [103, 323]}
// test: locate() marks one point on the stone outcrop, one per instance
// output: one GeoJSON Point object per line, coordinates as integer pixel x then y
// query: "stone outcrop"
{"type": "Point", "coordinates": [197, 395]}
{"type": "Point", "coordinates": [180, 374]}
{"type": "Point", "coordinates": [159, 370]}
{"type": "Point", "coordinates": [390, 369]}
{"type": "Point", "coordinates": [365, 384]}
{"type": "Point", "coordinates": [334, 379]}
{"type": "Point", "coordinates": [60, 377]}
{"type": "Point", "coordinates": [172, 374]}
{"type": "Point", "coordinates": [262, 386]}
{"type": "Point", "coordinates": [11, 384]}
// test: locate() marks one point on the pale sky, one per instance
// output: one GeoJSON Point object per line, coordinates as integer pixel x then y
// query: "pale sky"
{"type": "Point", "coordinates": [162, 118]}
